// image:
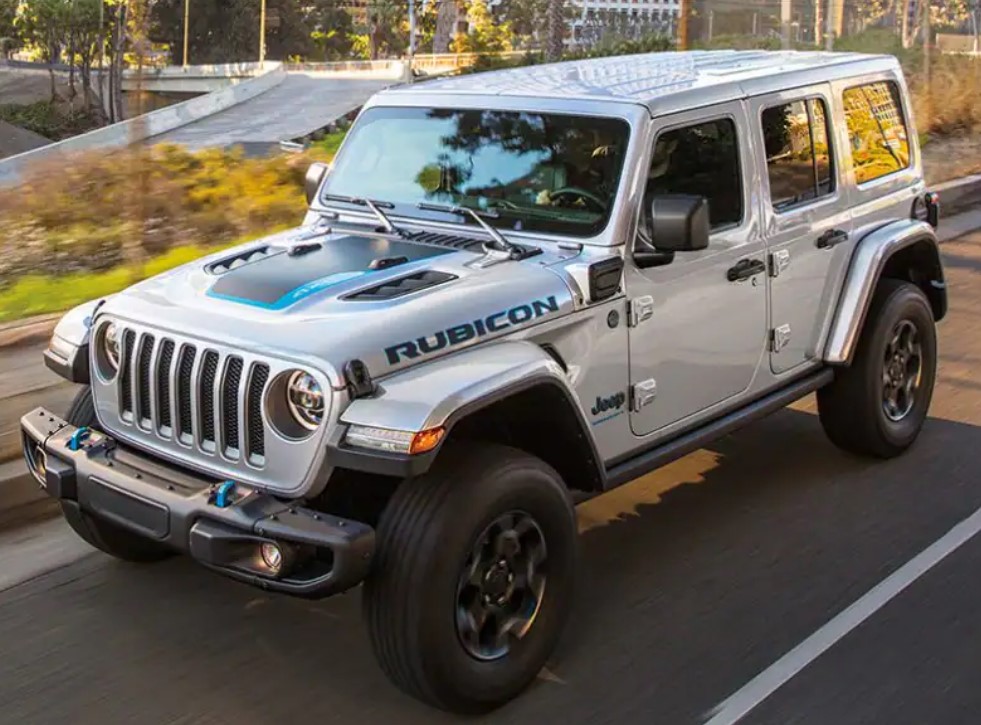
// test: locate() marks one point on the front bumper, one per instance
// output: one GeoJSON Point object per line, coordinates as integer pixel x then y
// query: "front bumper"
{"type": "Point", "coordinates": [185, 512]}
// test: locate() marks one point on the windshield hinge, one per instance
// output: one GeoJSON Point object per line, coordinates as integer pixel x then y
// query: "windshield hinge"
{"type": "Point", "coordinates": [640, 309]}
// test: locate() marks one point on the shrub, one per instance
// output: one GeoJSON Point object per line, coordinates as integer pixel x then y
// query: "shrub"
{"type": "Point", "coordinates": [103, 209]}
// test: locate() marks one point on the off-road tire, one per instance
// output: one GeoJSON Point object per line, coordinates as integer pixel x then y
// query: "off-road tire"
{"type": "Point", "coordinates": [425, 538]}
{"type": "Point", "coordinates": [101, 534]}
{"type": "Point", "coordinates": [851, 407]}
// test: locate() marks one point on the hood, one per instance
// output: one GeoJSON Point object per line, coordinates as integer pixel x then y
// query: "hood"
{"type": "Point", "coordinates": [326, 298]}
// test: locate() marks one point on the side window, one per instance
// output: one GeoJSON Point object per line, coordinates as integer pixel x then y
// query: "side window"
{"type": "Point", "coordinates": [702, 159]}
{"type": "Point", "coordinates": [798, 158]}
{"type": "Point", "coordinates": [876, 130]}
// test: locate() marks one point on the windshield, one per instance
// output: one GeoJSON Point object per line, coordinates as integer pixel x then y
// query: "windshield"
{"type": "Point", "coordinates": [539, 171]}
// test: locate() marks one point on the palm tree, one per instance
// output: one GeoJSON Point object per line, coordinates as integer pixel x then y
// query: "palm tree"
{"type": "Point", "coordinates": [556, 30]}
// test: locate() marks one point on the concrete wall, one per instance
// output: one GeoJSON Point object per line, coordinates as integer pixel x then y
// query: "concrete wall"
{"type": "Point", "coordinates": [150, 124]}
{"type": "Point", "coordinates": [361, 69]}
{"type": "Point", "coordinates": [194, 78]}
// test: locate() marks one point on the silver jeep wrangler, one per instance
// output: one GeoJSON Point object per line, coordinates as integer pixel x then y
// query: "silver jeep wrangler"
{"type": "Point", "coordinates": [508, 287]}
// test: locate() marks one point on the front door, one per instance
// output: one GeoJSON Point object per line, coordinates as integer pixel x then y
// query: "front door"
{"type": "Point", "coordinates": [807, 221]}
{"type": "Point", "coordinates": [699, 322]}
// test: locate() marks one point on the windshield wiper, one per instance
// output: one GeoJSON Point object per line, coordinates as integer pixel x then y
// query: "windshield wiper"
{"type": "Point", "coordinates": [503, 245]}
{"type": "Point", "coordinates": [373, 204]}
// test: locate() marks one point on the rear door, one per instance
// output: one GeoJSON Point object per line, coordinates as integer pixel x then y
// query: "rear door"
{"type": "Point", "coordinates": [806, 218]}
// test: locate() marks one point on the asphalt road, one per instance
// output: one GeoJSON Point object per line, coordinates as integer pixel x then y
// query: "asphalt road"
{"type": "Point", "coordinates": [301, 104]}
{"type": "Point", "coordinates": [695, 579]}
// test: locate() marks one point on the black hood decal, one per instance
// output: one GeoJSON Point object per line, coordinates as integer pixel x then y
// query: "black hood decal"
{"type": "Point", "coordinates": [281, 280]}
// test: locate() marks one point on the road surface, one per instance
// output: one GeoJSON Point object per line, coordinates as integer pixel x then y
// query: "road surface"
{"type": "Point", "coordinates": [301, 104]}
{"type": "Point", "coordinates": [695, 579]}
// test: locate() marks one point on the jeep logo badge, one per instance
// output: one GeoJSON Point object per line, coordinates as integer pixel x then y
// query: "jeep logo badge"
{"type": "Point", "coordinates": [611, 403]}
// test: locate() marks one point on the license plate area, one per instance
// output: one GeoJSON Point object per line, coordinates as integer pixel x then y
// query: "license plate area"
{"type": "Point", "coordinates": [141, 515]}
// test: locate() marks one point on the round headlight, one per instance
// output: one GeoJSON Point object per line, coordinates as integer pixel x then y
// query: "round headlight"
{"type": "Point", "coordinates": [110, 345]}
{"type": "Point", "coordinates": [305, 399]}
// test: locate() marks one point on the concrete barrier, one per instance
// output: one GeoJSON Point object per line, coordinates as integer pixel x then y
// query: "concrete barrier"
{"type": "Point", "coordinates": [193, 78]}
{"type": "Point", "coordinates": [397, 70]}
{"type": "Point", "coordinates": [143, 127]}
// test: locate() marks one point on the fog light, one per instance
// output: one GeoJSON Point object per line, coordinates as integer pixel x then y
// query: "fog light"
{"type": "Point", "coordinates": [39, 464]}
{"type": "Point", "coordinates": [272, 557]}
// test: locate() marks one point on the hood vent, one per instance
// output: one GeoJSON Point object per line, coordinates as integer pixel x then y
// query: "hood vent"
{"type": "Point", "coordinates": [442, 240]}
{"type": "Point", "coordinates": [400, 286]}
{"type": "Point", "coordinates": [235, 261]}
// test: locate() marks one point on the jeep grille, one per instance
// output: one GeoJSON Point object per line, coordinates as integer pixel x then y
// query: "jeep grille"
{"type": "Point", "coordinates": [149, 374]}
{"type": "Point", "coordinates": [202, 404]}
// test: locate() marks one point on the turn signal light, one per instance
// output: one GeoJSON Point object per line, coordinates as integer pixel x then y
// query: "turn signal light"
{"type": "Point", "coordinates": [394, 441]}
{"type": "Point", "coordinates": [425, 440]}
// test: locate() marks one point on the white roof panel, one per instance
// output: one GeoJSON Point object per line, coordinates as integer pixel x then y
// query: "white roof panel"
{"type": "Point", "coordinates": [659, 79]}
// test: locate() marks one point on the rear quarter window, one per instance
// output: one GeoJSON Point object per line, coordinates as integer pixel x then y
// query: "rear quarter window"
{"type": "Point", "coordinates": [877, 133]}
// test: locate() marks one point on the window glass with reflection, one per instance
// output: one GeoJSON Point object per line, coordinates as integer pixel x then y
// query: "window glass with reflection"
{"type": "Point", "coordinates": [544, 172]}
{"type": "Point", "coordinates": [798, 157]}
{"type": "Point", "coordinates": [876, 130]}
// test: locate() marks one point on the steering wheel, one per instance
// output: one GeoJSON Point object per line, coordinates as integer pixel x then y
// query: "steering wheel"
{"type": "Point", "coordinates": [574, 191]}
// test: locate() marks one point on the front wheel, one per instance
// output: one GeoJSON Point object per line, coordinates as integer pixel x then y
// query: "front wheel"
{"type": "Point", "coordinates": [877, 405]}
{"type": "Point", "coordinates": [473, 577]}
{"type": "Point", "coordinates": [104, 535]}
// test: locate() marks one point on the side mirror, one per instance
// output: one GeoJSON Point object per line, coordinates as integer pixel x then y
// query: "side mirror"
{"type": "Point", "coordinates": [315, 177]}
{"type": "Point", "coordinates": [680, 222]}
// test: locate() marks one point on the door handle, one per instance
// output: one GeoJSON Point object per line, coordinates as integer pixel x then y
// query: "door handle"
{"type": "Point", "coordinates": [744, 269]}
{"type": "Point", "coordinates": [831, 238]}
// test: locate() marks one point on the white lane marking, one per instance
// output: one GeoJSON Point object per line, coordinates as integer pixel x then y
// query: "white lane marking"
{"type": "Point", "coordinates": [740, 703]}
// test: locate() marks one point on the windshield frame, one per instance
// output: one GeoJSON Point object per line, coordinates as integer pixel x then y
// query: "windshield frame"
{"type": "Point", "coordinates": [635, 116]}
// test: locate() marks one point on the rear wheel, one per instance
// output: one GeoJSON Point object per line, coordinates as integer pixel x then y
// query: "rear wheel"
{"type": "Point", "coordinates": [877, 405]}
{"type": "Point", "coordinates": [474, 577]}
{"type": "Point", "coordinates": [101, 534]}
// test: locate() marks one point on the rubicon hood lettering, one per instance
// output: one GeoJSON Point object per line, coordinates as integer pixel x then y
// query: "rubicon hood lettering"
{"type": "Point", "coordinates": [467, 331]}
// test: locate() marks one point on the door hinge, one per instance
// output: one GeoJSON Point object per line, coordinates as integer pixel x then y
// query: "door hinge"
{"type": "Point", "coordinates": [779, 338]}
{"type": "Point", "coordinates": [779, 261]}
{"type": "Point", "coordinates": [640, 309]}
{"type": "Point", "coordinates": [642, 394]}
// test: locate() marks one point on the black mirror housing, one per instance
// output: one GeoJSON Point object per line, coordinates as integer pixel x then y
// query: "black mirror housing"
{"type": "Point", "coordinates": [314, 178]}
{"type": "Point", "coordinates": [680, 222]}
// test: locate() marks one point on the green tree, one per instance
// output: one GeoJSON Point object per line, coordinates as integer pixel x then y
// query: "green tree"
{"type": "Point", "coordinates": [524, 17]}
{"type": "Point", "coordinates": [227, 31]}
{"type": "Point", "coordinates": [332, 29]}
{"type": "Point", "coordinates": [88, 36]}
{"type": "Point", "coordinates": [486, 35]}
{"type": "Point", "coordinates": [43, 24]}
{"type": "Point", "coordinates": [9, 36]}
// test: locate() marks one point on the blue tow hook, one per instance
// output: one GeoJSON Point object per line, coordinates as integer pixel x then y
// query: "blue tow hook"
{"type": "Point", "coordinates": [223, 494]}
{"type": "Point", "coordinates": [75, 442]}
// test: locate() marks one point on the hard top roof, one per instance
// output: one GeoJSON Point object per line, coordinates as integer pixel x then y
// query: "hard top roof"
{"type": "Point", "coordinates": [660, 81]}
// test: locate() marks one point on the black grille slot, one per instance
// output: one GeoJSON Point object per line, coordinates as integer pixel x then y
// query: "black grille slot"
{"type": "Point", "coordinates": [146, 356]}
{"type": "Point", "coordinates": [126, 373]}
{"type": "Point", "coordinates": [253, 401]}
{"type": "Point", "coordinates": [229, 404]}
{"type": "Point", "coordinates": [237, 260]}
{"type": "Point", "coordinates": [209, 370]}
{"type": "Point", "coordinates": [443, 240]}
{"type": "Point", "coordinates": [163, 383]}
{"type": "Point", "coordinates": [401, 286]}
{"type": "Point", "coordinates": [184, 392]}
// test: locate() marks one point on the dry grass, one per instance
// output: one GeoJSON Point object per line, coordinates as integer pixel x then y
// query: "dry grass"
{"type": "Point", "coordinates": [950, 102]}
